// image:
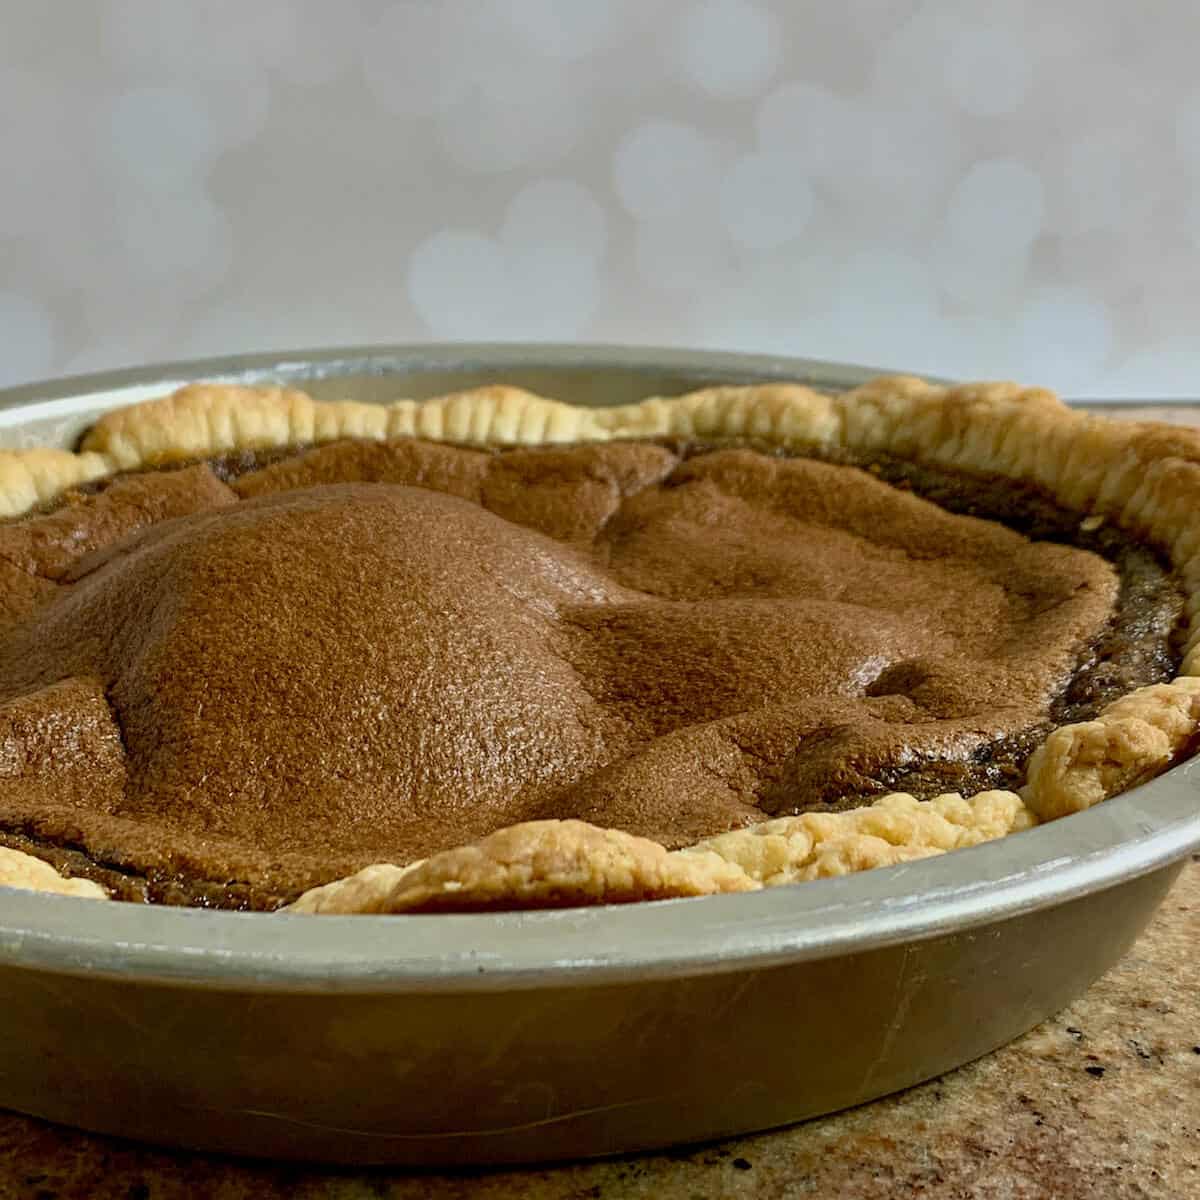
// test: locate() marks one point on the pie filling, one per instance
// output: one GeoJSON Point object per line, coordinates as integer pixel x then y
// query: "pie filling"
{"type": "Point", "coordinates": [225, 683]}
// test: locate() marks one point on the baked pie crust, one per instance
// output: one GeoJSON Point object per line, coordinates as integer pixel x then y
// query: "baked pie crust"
{"type": "Point", "coordinates": [1141, 478]}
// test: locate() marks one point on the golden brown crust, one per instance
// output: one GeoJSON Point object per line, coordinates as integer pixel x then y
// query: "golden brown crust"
{"type": "Point", "coordinates": [552, 864]}
{"type": "Point", "coordinates": [32, 477]}
{"type": "Point", "coordinates": [203, 420]}
{"type": "Point", "coordinates": [1142, 477]}
{"type": "Point", "coordinates": [537, 864]}
{"type": "Point", "coordinates": [896, 828]}
{"type": "Point", "coordinates": [1133, 739]}
{"type": "Point", "coordinates": [20, 870]}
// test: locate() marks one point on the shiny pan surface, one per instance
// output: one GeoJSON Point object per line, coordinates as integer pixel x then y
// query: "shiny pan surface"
{"type": "Point", "coordinates": [548, 1035]}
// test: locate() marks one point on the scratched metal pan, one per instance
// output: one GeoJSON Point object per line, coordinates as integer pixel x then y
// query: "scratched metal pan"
{"type": "Point", "coordinates": [534, 1036]}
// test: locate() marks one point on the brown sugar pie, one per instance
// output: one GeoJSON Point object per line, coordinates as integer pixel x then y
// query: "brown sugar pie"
{"type": "Point", "coordinates": [494, 651]}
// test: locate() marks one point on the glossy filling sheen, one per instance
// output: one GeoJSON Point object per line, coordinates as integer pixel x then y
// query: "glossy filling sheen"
{"type": "Point", "coordinates": [225, 683]}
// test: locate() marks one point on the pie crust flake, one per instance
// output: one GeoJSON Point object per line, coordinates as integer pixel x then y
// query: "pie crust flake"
{"type": "Point", "coordinates": [1140, 479]}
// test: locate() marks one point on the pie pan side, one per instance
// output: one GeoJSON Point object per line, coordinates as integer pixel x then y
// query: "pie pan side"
{"type": "Point", "coordinates": [476, 1038]}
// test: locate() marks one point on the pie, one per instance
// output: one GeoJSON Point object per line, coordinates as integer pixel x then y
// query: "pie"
{"type": "Point", "coordinates": [493, 651]}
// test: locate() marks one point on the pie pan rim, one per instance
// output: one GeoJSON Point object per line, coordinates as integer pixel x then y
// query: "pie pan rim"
{"type": "Point", "coordinates": [1138, 832]}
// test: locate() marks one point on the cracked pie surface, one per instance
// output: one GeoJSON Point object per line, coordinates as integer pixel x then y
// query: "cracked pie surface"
{"type": "Point", "coordinates": [492, 651]}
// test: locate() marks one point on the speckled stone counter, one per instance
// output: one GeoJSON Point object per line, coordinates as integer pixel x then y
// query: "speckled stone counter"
{"type": "Point", "coordinates": [1102, 1101]}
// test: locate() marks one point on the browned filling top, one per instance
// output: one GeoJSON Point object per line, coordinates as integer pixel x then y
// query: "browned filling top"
{"type": "Point", "coordinates": [227, 682]}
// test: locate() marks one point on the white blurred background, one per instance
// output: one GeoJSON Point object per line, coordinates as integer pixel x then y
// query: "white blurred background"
{"type": "Point", "coordinates": [976, 189]}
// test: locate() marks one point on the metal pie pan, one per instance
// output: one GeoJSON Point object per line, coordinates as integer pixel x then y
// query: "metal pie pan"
{"type": "Point", "coordinates": [522, 1037]}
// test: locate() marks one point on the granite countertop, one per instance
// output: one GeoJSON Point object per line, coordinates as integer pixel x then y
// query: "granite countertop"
{"type": "Point", "coordinates": [1101, 1101]}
